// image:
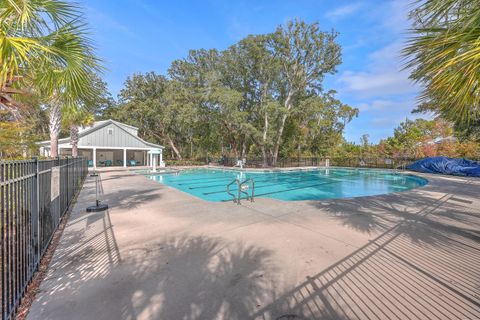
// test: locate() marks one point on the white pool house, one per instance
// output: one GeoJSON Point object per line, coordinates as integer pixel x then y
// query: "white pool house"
{"type": "Point", "coordinates": [111, 143]}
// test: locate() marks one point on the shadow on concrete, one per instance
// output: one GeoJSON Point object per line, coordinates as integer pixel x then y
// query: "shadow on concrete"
{"type": "Point", "coordinates": [197, 278]}
{"type": "Point", "coordinates": [131, 198]}
{"type": "Point", "coordinates": [86, 254]}
{"type": "Point", "coordinates": [117, 176]}
{"type": "Point", "coordinates": [423, 265]}
{"type": "Point", "coordinates": [175, 278]}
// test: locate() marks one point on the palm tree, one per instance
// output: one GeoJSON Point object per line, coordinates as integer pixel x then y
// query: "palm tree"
{"type": "Point", "coordinates": [78, 117]}
{"type": "Point", "coordinates": [45, 50]}
{"type": "Point", "coordinates": [444, 54]}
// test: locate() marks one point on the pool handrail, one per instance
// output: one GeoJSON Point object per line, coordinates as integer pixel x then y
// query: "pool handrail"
{"type": "Point", "coordinates": [240, 189]}
{"type": "Point", "coordinates": [240, 184]}
{"type": "Point", "coordinates": [230, 193]}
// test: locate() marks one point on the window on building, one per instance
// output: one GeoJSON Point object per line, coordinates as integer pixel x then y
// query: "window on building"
{"type": "Point", "coordinates": [110, 130]}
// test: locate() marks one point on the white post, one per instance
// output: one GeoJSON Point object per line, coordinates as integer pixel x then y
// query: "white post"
{"type": "Point", "coordinates": [161, 157]}
{"type": "Point", "coordinates": [94, 158]}
{"type": "Point", "coordinates": [151, 159]}
{"type": "Point", "coordinates": [154, 158]}
{"type": "Point", "coordinates": [124, 157]}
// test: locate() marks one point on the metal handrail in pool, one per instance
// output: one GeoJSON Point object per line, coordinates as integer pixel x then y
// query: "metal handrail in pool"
{"type": "Point", "coordinates": [241, 187]}
{"type": "Point", "coordinates": [231, 194]}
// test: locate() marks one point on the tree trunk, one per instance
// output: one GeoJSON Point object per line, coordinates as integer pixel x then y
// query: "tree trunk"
{"type": "Point", "coordinates": [264, 140]}
{"type": "Point", "coordinates": [265, 124]}
{"type": "Point", "coordinates": [191, 147]}
{"type": "Point", "coordinates": [174, 148]}
{"type": "Point", "coordinates": [244, 149]}
{"type": "Point", "coordinates": [54, 127]}
{"type": "Point", "coordinates": [288, 106]}
{"type": "Point", "coordinates": [74, 140]}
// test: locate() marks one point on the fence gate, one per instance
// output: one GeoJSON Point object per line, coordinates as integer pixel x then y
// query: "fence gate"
{"type": "Point", "coordinates": [34, 196]}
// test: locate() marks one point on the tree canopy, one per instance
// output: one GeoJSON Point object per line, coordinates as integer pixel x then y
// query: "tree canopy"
{"type": "Point", "coordinates": [263, 96]}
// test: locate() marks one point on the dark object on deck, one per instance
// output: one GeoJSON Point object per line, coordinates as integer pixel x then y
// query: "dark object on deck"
{"type": "Point", "coordinates": [98, 207]}
{"type": "Point", "coordinates": [445, 165]}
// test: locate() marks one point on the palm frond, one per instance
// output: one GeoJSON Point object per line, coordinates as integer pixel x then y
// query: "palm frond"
{"type": "Point", "coordinates": [443, 53]}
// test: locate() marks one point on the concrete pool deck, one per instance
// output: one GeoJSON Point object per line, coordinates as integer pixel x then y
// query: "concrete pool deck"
{"type": "Point", "coordinates": [159, 253]}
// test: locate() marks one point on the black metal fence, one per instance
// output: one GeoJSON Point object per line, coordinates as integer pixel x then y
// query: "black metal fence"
{"type": "Point", "coordinates": [258, 162]}
{"type": "Point", "coordinates": [387, 162]}
{"type": "Point", "coordinates": [34, 196]}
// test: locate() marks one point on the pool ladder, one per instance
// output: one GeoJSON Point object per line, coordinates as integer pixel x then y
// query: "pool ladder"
{"type": "Point", "coordinates": [243, 187]}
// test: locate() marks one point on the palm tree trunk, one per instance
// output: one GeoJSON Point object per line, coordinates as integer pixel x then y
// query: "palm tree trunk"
{"type": "Point", "coordinates": [74, 140]}
{"type": "Point", "coordinates": [54, 127]}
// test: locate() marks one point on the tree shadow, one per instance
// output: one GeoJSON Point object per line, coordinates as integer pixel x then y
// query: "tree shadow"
{"type": "Point", "coordinates": [198, 278]}
{"type": "Point", "coordinates": [181, 277]}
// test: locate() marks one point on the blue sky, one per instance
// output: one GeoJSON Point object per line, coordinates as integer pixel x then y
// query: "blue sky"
{"type": "Point", "coordinates": [147, 35]}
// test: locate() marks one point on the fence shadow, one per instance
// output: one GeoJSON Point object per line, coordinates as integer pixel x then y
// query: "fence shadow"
{"type": "Point", "coordinates": [423, 265]}
{"type": "Point", "coordinates": [89, 252]}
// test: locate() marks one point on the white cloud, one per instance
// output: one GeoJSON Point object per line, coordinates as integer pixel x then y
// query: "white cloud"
{"type": "Point", "coordinates": [384, 122]}
{"type": "Point", "coordinates": [383, 104]}
{"type": "Point", "coordinates": [383, 75]}
{"type": "Point", "coordinates": [377, 83]}
{"type": "Point", "coordinates": [396, 18]}
{"type": "Point", "coordinates": [343, 11]}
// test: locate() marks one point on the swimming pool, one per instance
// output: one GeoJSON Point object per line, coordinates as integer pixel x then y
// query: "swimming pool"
{"type": "Point", "coordinates": [210, 184]}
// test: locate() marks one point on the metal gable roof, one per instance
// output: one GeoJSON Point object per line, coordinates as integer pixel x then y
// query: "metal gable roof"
{"type": "Point", "coordinates": [101, 124]}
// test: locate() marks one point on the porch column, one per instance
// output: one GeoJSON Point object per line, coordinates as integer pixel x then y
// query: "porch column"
{"type": "Point", "coordinates": [151, 159]}
{"type": "Point", "coordinates": [94, 158]}
{"type": "Point", "coordinates": [124, 157]}
{"type": "Point", "coordinates": [161, 157]}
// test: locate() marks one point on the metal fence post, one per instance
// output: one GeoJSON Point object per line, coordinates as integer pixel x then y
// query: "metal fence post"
{"type": "Point", "coordinates": [36, 215]}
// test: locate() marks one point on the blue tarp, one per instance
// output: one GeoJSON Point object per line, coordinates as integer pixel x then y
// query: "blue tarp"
{"type": "Point", "coordinates": [445, 165]}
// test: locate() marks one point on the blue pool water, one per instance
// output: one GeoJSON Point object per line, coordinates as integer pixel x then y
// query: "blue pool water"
{"type": "Point", "coordinates": [210, 184]}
